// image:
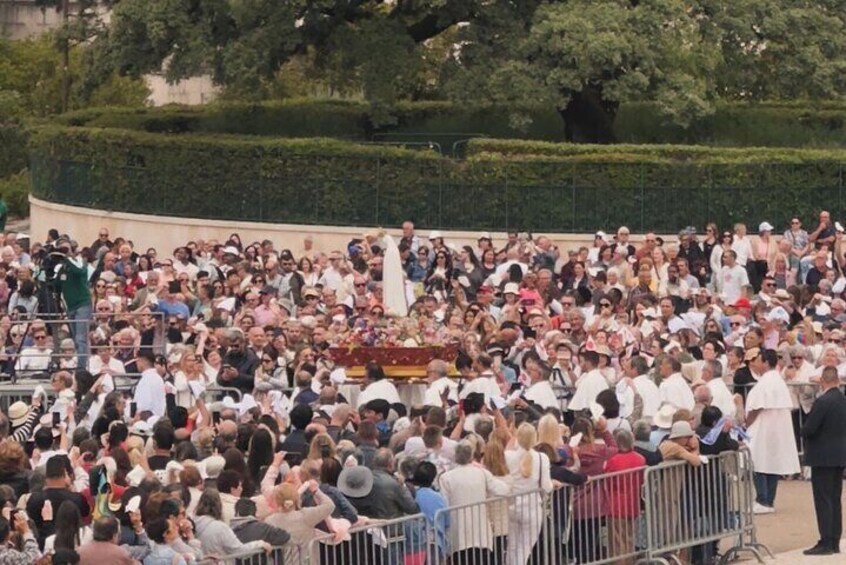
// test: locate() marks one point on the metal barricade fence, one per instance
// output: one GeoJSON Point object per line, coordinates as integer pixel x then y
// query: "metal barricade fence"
{"type": "Point", "coordinates": [24, 389]}
{"type": "Point", "coordinates": [402, 541]}
{"type": "Point", "coordinates": [513, 529]}
{"type": "Point", "coordinates": [288, 554]}
{"type": "Point", "coordinates": [689, 508]}
{"type": "Point", "coordinates": [606, 517]}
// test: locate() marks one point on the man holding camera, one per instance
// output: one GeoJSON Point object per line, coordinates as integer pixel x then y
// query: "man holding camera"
{"type": "Point", "coordinates": [72, 273]}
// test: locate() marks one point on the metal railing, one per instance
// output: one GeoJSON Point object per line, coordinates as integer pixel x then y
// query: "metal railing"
{"type": "Point", "coordinates": [536, 195]}
{"type": "Point", "coordinates": [403, 540]}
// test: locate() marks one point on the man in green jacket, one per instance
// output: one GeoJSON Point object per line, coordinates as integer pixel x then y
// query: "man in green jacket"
{"type": "Point", "coordinates": [73, 278]}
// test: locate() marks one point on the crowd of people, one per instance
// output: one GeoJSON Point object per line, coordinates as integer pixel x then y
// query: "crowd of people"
{"type": "Point", "coordinates": [570, 364]}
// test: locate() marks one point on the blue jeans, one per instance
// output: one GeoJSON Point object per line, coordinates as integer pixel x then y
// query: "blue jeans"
{"type": "Point", "coordinates": [765, 488]}
{"type": "Point", "coordinates": [79, 332]}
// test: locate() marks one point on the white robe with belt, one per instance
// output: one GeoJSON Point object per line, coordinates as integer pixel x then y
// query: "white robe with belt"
{"type": "Point", "coordinates": [771, 434]}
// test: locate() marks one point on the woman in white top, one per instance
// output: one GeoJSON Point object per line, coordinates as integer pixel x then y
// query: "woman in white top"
{"type": "Point", "coordinates": [189, 371]}
{"type": "Point", "coordinates": [310, 274]}
{"type": "Point", "coordinates": [70, 533]}
{"type": "Point", "coordinates": [529, 472]}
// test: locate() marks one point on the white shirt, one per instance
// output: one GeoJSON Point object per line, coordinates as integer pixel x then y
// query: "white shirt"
{"type": "Point", "coordinates": [648, 391]}
{"type": "Point", "coordinates": [484, 384]}
{"type": "Point", "coordinates": [432, 396]}
{"type": "Point", "coordinates": [191, 269]}
{"type": "Point", "coordinates": [33, 359]}
{"type": "Point", "coordinates": [150, 393]}
{"type": "Point", "coordinates": [743, 248]}
{"type": "Point", "coordinates": [542, 394]}
{"type": "Point", "coordinates": [730, 282]}
{"type": "Point", "coordinates": [95, 366]}
{"type": "Point", "coordinates": [383, 389]}
{"type": "Point", "coordinates": [587, 388]}
{"type": "Point", "coordinates": [721, 397]}
{"type": "Point", "coordinates": [675, 390]}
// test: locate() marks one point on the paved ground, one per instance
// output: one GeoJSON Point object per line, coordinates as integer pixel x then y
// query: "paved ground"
{"type": "Point", "coordinates": [793, 527]}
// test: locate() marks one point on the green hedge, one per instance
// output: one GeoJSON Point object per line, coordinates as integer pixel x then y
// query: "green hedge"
{"type": "Point", "coordinates": [789, 124]}
{"type": "Point", "coordinates": [13, 158]}
{"type": "Point", "coordinates": [15, 190]}
{"type": "Point", "coordinates": [503, 184]}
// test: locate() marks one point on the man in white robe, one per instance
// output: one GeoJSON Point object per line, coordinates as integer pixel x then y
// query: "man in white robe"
{"type": "Point", "coordinates": [771, 444]}
{"type": "Point", "coordinates": [674, 389]}
{"type": "Point", "coordinates": [377, 386]}
{"type": "Point", "coordinates": [439, 381]}
{"type": "Point", "coordinates": [637, 369]}
{"type": "Point", "coordinates": [721, 396]}
{"type": "Point", "coordinates": [590, 384]}
{"type": "Point", "coordinates": [150, 390]}
{"type": "Point", "coordinates": [485, 382]}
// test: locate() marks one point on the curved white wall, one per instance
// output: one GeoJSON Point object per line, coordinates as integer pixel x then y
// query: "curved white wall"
{"type": "Point", "coordinates": [166, 232]}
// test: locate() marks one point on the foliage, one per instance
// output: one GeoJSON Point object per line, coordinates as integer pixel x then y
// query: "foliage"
{"type": "Point", "coordinates": [530, 185]}
{"type": "Point", "coordinates": [581, 57]}
{"type": "Point", "coordinates": [15, 191]}
{"type": "Point", "coordinates": [782, 124]}
{"type": "Point", "coordinates": [30, 73]}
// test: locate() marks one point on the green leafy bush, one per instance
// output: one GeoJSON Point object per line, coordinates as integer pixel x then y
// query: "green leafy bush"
{"type": "Point", "coordinates": [503, 184]}
{"type": "Point", "coordinates": [15, 191]}
{"type": "Point", "coordinates": [789, 124]}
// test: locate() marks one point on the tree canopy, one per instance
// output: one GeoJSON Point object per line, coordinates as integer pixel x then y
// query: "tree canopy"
{"type": "Point", "coordinates": [585, 57]}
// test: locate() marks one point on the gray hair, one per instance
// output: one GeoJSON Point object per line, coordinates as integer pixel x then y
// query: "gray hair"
{"type": "Point", "coordinates": [384, 459]}
{"type": "Point", "coordinates": [642, 430]}
{"type": "Point", "coordinates": [234, 333]}
{"type": "Point", "coordinates": [463, 453]}
{"type": "Point", "coordinates": [624, 439]}
{"type": "Point", "coordinates": [715, 368]}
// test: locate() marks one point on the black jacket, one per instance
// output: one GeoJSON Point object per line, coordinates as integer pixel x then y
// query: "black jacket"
{"type": "Point", "coordinates": [249, 529]}
{"type": "Point", "coordinates": [388, 499]}
{"type": "Point", "coordinates": [823, 430]}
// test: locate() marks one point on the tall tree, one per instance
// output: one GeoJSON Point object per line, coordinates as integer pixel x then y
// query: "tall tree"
{"type": "Point", "coordinates": [585, 57]}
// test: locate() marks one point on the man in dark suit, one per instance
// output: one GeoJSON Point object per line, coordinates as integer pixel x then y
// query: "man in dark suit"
{"type": "Point", "coordinates": [825, 453]}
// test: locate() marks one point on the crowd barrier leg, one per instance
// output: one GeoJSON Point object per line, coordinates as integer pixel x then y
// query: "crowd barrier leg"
{"type": "Point", "coordinates": [743, 493]}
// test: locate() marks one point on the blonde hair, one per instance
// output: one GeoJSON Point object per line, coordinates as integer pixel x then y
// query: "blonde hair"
{"type": "Point", "coordinates": [286, 497]}
{"type": "Point", "coordinates": [527, 438]}
{"type": "Point", "coordinates": [320, 441]}
{"type": "Point", "coordinates": [549, 431]}
{"type": "Point", "coordinates": [494, 459]}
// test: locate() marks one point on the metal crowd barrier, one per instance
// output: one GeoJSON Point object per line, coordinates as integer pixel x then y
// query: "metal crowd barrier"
{"type": "Point", "coordinates": [23, 390]}
{"type": "Point", "coordinates": [278, 555]}
{"type": "Point", "coordinates": [689, 509]}
{"type": "Point", "coordinates": [673, 512]}
{"type": "Point", "coordinates": [402, 541]}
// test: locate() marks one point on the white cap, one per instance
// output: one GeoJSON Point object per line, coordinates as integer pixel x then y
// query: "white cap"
{"type": "Point", "coordinates": [778, 314]}
{"type": "Point", "coordinates": [601, 234]}
{"type": "Point", "coordinates": [435, 234]}
{"type": "Point", "coordinates": [231, 250]}
{"type": "Point", "coordinates": [765, 226]}
{"type": "Point", "coordinates": [511, 288]}
{"type": "Point", "coordinates": [484, 235]}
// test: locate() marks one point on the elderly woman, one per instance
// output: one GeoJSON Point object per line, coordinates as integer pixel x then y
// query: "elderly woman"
{"type": "Point", "coordinates": [589, 500]}
{"type": "Point", "coordinates": [467, 485]}
{"type": "Point", "coordinates": [217, 537]}
{"type": "Point", "coordinates": [624, 496]}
